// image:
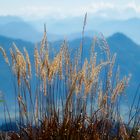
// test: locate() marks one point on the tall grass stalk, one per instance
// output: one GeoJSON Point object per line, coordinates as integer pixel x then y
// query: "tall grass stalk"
{"type": "Point", "coordinates": [68, 98]}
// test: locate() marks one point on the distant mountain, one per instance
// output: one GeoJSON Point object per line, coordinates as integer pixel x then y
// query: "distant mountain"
{"type": "Point", "coordinates": [68, 26]}
{"type": "Point", "coordinates": [15, 27]}
{"type": "Point", "coordinates": [6, 42]}
{"type": "Point", "coordinates": [20, 29]}
{"type": "Point", "coordinates": [129, 27]}
{"type": "Point", "coordinates": [128, 55]}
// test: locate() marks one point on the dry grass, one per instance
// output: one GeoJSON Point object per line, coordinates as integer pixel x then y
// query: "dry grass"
{"type": "Point", "coordinates": [69, 101]}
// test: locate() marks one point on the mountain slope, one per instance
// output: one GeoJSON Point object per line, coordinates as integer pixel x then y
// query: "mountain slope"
{"type": "Point", "coordinates": [15, 27]}
{"type": "Point", "coordinates": [20, 29]}
{"type": "Point", "coordinates": [130, 27]}
{"type": "Point", "coordinates": [127, 53]}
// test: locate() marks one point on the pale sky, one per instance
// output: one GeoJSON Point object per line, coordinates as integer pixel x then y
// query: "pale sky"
{"type": "Point", "coordinates": [65, 8]}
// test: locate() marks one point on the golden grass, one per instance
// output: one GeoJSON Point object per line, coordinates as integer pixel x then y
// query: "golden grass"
{"type": "Point", "coordinates": [65, 91]}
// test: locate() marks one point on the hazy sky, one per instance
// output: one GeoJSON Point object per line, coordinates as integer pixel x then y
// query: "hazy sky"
{"type": "Point", "coordinates": [65, 8]}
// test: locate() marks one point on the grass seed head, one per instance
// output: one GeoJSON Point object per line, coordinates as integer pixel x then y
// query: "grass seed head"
{"type": "Point", "coordinates": [4, 55]}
